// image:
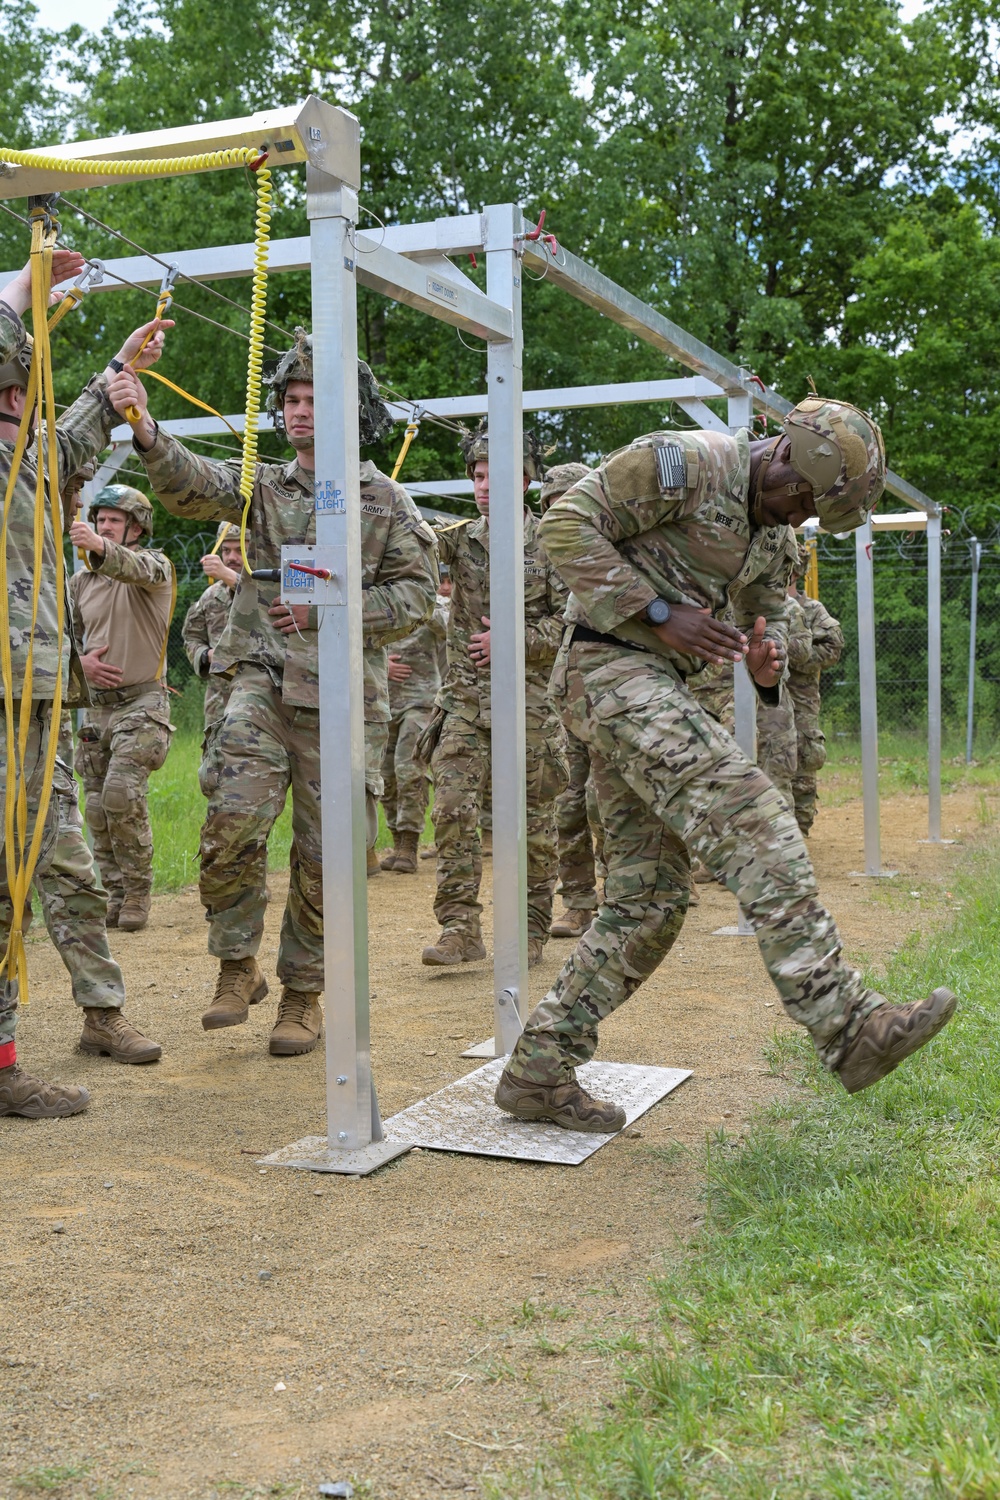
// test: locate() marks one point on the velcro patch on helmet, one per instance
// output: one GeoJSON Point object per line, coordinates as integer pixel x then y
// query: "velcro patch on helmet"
{"type": "Point", "coordinates": [671, 466]}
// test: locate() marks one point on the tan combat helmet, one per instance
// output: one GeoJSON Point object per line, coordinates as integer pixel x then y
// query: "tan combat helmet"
{"type": "Point", "coordinates": [124, 498]}
{"type": "Point", "coordinates": [476, 445]}
{"type": "Point", "coordinates": [374, 417]}
{"type": "Point", "coordinates": [227, 532]}
{"type": "Point", "coordinates": [557, 480]}
{"type": "Point", "coordinates": [838, 450]}
{"type": "Point", "coordinates": [84, 472]}
{"type": "Point", "coordinates": [17, 368]}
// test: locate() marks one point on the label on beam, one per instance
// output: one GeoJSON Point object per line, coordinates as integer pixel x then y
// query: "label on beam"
{"type": "Point", "coordinates": [441, 290]}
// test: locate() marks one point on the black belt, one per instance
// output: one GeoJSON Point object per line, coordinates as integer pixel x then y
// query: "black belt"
{"type": "Point", "coordinates": [584, 633]}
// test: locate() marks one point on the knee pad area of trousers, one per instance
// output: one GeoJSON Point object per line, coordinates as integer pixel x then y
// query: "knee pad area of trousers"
{"type": "Point", "coordinates": [116, 795]}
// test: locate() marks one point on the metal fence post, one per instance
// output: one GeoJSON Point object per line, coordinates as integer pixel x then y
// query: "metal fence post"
{"type": "Point", "coordinates": [510, 855]}
{"type": "Point", "coordinates": [934, 678]}
{"type": "Point", "coordinates": [977, 552]}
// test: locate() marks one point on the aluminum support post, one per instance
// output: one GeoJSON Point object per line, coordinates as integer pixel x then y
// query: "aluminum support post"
{"type": "Point", "coordinates": [977, 552]}
{"type": "Point", "coordinates": [869, 699]}
{"type": "Point", "coordinates": [934, 678]}
{"type": "Point", "coordinates": [510, 855]}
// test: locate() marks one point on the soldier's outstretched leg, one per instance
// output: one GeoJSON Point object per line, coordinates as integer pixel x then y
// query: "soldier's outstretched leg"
{"type": "Point", "coordinates": [460, 765]}
{"type": "Point", "coordinates": [694, 780]}
{"type": "Point", "coordinates": [74, 906]}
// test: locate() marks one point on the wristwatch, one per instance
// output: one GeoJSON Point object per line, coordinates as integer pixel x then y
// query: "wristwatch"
{"type": "Point", "coordinates": [116, 365]}
{"type": "Point", "coordinates": [657, 612]}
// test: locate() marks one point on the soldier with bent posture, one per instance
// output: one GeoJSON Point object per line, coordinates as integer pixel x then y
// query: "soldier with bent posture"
{"type": "Point", "coordinates": [815, 642]}
{"type": "Point", "coordinates": [122, 604]}
{"type": "Point", "coordinates": [656, 545]}
{"type": "Point", "coordinates": [81, 433]}
{"type": "Point", "coordinates": [269, 737]}
{"type": "Point", "coordinates": [459, 733]}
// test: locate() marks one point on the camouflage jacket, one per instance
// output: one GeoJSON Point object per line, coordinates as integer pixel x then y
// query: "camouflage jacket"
{"type": "Point", "coordinates": [204, 626]}
{"type": "Point", "coordinates": [668, 517]}
{"type": "Point", "coordinates": [397, 557]}
{"type": "Point", "coordinates": [81, 433]}
{"type": "Point", "coordinates": [419, 652]}
{"type": "Point", "coordinates": [815, 641]}
{"type": "Point", "coordinates": [466, 687]}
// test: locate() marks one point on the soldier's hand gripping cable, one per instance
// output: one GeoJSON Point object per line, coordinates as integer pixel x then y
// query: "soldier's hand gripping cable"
{"type": "Point", "coordinates": [656, 545]}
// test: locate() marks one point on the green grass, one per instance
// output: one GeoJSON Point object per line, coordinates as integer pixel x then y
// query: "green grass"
{"type": "Point", "coordinates": [835, 1332]}
{"type": "Point", "coordinates": [902, 761]}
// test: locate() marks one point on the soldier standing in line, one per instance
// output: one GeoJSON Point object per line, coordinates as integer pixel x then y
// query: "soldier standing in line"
{"type": "Point", "coordinates": [269, 738]}
{"type": "Point", "coordinates": [81, 433]}
{"type": "Point", "coordinates": [655, 546]}
{"type": "Point", "coordinates": [122, 606]}
{"type": "Point", "coordinates": [815, 642]}
{"type": "Point", "coordinates": [576, 808]}
{"type": "Point", "coordinates": [414, 683]}
{"type": "Point", "coordinates": [442, 607]}
{"type": "Point", "coordinates": [204, 626]}
{"type": "Point", "coordinates": [459, 733]}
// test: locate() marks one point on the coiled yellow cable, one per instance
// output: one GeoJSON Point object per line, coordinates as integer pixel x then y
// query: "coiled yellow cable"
{"type": "Point", "coordinates": [21, 862]}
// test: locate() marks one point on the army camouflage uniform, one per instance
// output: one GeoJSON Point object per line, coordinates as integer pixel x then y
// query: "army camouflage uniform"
{"type": "Point", "coordinates": [669, 516]}
{"type": "Point", "coordinates": [204, 626]}
{"type": "Point", "coordinates": [81, 433]}
{"type": "Point", "coordinates": [411, 704]}
{"type": "Point", "coordinates": [126, 732]}
{"type": "Point", "coordinates": [815, 643]}
{"type": "Point", "coordinates": [461, 762]}
{"type": "Point", "coordinates": [269, 737]}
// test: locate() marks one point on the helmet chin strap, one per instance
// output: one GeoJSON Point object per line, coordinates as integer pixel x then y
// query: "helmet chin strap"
{"type": "Point", "coordinates": [757, 494]}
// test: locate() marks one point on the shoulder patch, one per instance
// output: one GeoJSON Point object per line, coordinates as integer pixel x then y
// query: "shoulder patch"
{"type": "Point", "coordinates": [671, 466]}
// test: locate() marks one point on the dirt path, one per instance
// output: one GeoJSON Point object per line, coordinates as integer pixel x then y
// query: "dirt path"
{"type": "Point", "coordinates": [200, 1327]}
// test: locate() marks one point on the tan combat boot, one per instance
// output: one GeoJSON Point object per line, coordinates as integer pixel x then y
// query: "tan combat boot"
{"type": "Point", "coordinates": [21, 1094]}
{"type": "Point", "coordinates": [299, 1025]}
{"type": "Point", "coordinates": [430, 851]}
{"type": "Point", "coordinates": [388, 860]}
{"type": "Point", "coordinates": [240, 984]}
{"type": "Point", "coordinates": [105, 1030]}
{"type": "Point", "coordinates": [114, 910]}
{"type": "Point", "coordinates": [891, 1033]}
{"type": "Point", "coordinates": [405, 859]}
{"type": "Point", "coordinates": [453, 947]}
{"type": "Point", "coordinates": [565, 1104]}
{"type": "Point", "coordinates": [134, 913]}
{"type": "Point", "coordinates": [374, 868]}
{"type": "Point", "coordinates": [536, 950]}
{"type": "Point", "coordinates": [573, 923]}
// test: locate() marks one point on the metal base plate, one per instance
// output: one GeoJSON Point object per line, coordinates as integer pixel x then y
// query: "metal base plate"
{"type": "Point", "coordinates": [734, 932]}
{"type": "Point", "coordinates": [312, 1154]}
{"type": "Point", "coordinates": [872, 874]}
{"type": "Point", "coordinates": [462, 1116]}
{"type": "Point", "coordinates": [482, 1049]}
{"type": "Point", "coordinates": [937, 841]}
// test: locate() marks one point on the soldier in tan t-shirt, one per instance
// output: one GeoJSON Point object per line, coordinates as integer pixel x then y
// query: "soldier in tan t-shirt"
{"type": "Point", "coordinates": [122, 607]}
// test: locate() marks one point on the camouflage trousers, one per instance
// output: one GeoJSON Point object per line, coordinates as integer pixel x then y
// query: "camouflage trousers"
{"type": "Point", "coordinates": [406, 788]}
{"type": "Point", "coordinates": [777, 750]}
{"type": "Point", "coordinates": [376, 739]}
{"type": "Point", "coordinates": [669, 780]}
{"type": "Point", "coordinates": [581, 837]}
{"type": "Point", "coordinates": [460, 767]}
{"type": "Point", "coordinates": [811, 757]}
{"type": "Point", "coordinates": [34, 758]}
{"type": "Point", "coordinates": [119, 745]}
{"type": "Point", "coordinates": [262, 748]}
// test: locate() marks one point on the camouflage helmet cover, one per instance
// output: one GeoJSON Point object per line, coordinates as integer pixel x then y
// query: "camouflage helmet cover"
{"type": "Point", "coordinates": [227, 532]}
{"type": "Point", "coordinates": [124, 498]}
{"type": "Point", "coordinates": [15, 371]}
{"type": "Point", "coordinates": [374, 417]}
{"type": "Point", "coordinates": [476, 445]}
{"type": "Point", "coordinates": [838, 449]}
{"type": "Point", "coordinates": [84, 472]}
{"type": "Point", "coordinates": [557, 480]}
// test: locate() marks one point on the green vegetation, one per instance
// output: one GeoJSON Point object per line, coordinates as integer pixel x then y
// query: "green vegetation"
{"type": "Point", "coordinates": [903, 764]}
{"type": "Point", "coordinates": [835, 1331]}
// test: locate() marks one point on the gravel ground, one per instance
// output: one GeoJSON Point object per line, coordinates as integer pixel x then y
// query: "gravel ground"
{"type": "Point", "coordinates": [183, 1323]}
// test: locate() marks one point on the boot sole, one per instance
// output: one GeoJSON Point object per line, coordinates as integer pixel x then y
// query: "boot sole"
{"type": "Point", "coordinates": [448, 963]}
{"type": "Point", "coordinates": [536, 1112]}
{"type": "Point", "coordinates": [95, 1049]}
{"type": "Point", "coordinates": [219, 1023]}
{"type": "Point", "coordinates": [30, 1111]}
{"type": "Point", "coordinates": [132, 926]}
{"type": "Point", "coordinates": [937, 1020]}
{"type": "Point", "coordinates": [293, 1049]}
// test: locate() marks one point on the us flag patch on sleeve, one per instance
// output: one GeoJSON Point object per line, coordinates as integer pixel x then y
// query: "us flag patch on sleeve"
{"type": "Point", "coordinates": [671, 466]}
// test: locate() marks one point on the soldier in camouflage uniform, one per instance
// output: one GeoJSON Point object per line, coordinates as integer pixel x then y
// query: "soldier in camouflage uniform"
{"type": "Point", "coordinates": [269, 739]}
{"type": "Point", "coordinates": [815, 641]}
{"type": "Point", "coordinates": [577, 822]}
{"type": "Point", "coordinates": [81, 433]}
{"type": "Point", "coordinates": [459, 734]}
{"type": "Point", "coordinates": [443, 608]}
{"type": "Point", "coordinates": [656, 545]}
{"type": "Point", "coordinates": [414, 682]}
{"type": "Point", "coordinates": [122, 606]}
{"type": "Point", "coordinates": [204, 626]}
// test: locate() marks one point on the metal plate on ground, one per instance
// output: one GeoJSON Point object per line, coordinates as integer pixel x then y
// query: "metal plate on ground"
{"type": "Point", "coordinates": [462, 1116]}
{"type": "Point", "coordinates": [311, 1154]}
{"type": "Point", "coordinates": [482, 1049]}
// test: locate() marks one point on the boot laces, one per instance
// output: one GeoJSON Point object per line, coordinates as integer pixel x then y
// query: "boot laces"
{"type": "Point", "coordinates": [294, 1006]}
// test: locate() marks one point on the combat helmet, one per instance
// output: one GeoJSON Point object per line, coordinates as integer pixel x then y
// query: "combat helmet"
{"type": "Point", "coordinates": [84, 472]}
{"type": "Point", "coordinates": [228, 532]}
{"type": "Point", "coordinates": [16, 370]}
{"type": "Point", "coordinates": [557, 480]}
{"type": "Point", "coordinates": [374, 417]}
{"type": "Point", "coordinates": [123, 497]}
{"type": "Point", "coordinates": [476, 445]}
{"type": "Point", "coordinates": [838, 450]}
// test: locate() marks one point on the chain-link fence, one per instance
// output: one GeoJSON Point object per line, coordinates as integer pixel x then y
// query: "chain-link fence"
{"type": "Point", "coordinates": [900, 562]}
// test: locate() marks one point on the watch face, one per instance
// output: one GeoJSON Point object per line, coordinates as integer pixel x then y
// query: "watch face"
{"type": "Point", "coordinates": [658, 612]}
